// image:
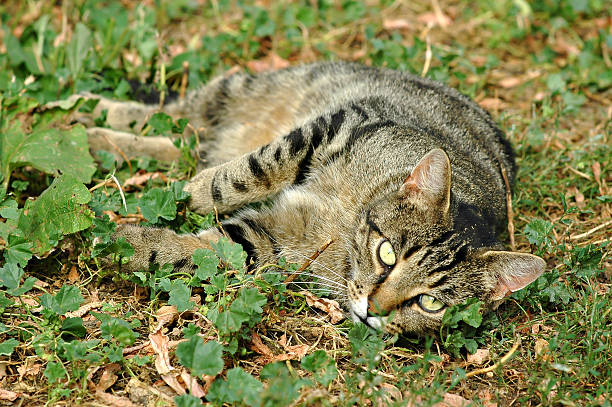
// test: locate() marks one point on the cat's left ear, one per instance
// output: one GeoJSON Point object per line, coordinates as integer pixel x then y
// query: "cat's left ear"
{"type": "Point", "coordinates": [430, 180]}
{"type": "Point", "coordinates": [513, 271]}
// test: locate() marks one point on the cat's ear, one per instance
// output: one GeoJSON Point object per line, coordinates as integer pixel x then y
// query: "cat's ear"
{"type": "Point", "coordinates": [512, 270]}
{"type": "Point", "coordinates": [430, 180]}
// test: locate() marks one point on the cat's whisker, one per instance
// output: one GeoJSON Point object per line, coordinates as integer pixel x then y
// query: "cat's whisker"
{"type": "Point", "coordinates": [329, 287]}
{"type": "Point", "coordinates": [315, 261]}
{"type": "Point", "coordinates": [301, 273]}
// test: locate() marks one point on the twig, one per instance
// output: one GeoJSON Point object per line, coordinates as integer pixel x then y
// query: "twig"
{"type": "Point", "coordinates": [116, 147]}
{"type": "Point", "coordinates": [184, 80]}
{"type": "Point", "coordinates": [500, 362]}
{"type": "Point", "coordinates": [309, 261]}
{"type": "Point", "coordinates": [428, 56]}
{"type": "Point", "coordinates": [509, 207]}
{"type": "Point", "coordinates": [587, 233]}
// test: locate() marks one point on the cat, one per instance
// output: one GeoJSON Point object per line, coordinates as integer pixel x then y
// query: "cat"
{"type": "Point", "coordinates": [402, 174]}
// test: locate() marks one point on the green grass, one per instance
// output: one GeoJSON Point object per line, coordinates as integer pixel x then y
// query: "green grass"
{"type": "Point", "coordinates": [75, 329]}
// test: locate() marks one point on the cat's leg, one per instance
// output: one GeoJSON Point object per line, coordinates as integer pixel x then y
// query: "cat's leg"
{"type": "Point", "coordinates": [285, 161]}
{"type": "Point", "coordinates": [163, 246]}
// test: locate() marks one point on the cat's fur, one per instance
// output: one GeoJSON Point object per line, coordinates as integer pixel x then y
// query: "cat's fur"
{"type": "Point", "coordinates": [354, 154]}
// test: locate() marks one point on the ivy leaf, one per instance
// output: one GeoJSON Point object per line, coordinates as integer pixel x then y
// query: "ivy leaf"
{"type": "Point", "coordinates": [58, 211]}
{"type": "Point", "coordinates": [68, 298]}
{"type": "Point", "coordinates": [7, 347]}
{"type": "Point", "coordinates": [240, 387]}
{"type": "Point", "coordinates": [179, 296]}
{"type": "Point", "coordinates": [157, 203]}
{"type": "Point", "coordinates": [231, 253]}
{"type": "Point", "coordinates": [207, 263]}
{"type": "Point", "coordinates": [201, 358]}
{"type": "Point", "coordinates": [52, 151]}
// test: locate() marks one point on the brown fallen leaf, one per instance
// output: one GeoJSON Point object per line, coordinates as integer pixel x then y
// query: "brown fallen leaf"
{"type": "Point", "coordinates": [73, 275]}
{"type": "Point", "coordinates": [396, 23]}
{"type": "Point", "coordinates": [8, 395]}
{"type": "Point", "coordinates": [142, 179]}
{"type": "Point", "coordinates": [453, 400]}
{"type": "Point", "coordinates": [479, 357]}
{"type": "Point", "coordinates": [270, 62]}
{"type": "Point", "coordinates": [108, 377]}
{"type": "Point", "coordinates": [434, 19]}
{"type": "Point", "coordinates": [192, 384]}
{"type": "Point", "coordinates": [259, 347]}
{"type": "Point", "coordinates": [331, 307]}
{"type": "Point", "coordinates": [492, 103]}
{"type": "Point", "coordinates": [84, 309]}
{"type": "Point", "coordinates": [541, 348]}
{"type": "Point", "coordinates": [165, 315]}
{"type": "Point", "coordinates": [113, 400]}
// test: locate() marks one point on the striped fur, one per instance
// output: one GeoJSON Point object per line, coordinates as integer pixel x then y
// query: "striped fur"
{"type": "Point", "coordinates": [361, 156]}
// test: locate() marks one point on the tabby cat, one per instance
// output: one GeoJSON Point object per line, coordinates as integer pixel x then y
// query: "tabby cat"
{"type": "Point", "coordinates": [401, 173]}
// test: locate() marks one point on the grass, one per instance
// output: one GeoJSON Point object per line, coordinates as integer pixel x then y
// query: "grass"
{"type": "Point", "coordinates": [75, 331]}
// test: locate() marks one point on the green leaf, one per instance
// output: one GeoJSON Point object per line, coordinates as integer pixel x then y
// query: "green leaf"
{"type": "Point", "coordinates": [187, 400]}
{"type": "Point", "coordinates": [177, 190]}
{"type": "Point", "coordinates": [322, 366]}
{"type": "Point", "coordinates": [230, 321]}
{"type": "Point", "coordinates": [58, 211]}
{"type": "Point", "coordinates": [249, 301]}
{"type": "Point", "coordinates": [157, 203]}
{"type": "Point", "coordinates": [10, 275]}
{"type": "Point", "coordinates": [537, 231]}
{"type": "Point", "coordinates": [201, 358]}
{"type": "Point", "coordinates": [7, 347]}
{"type": "Point", "coordinates": [78, 49]}
{"type": "Point", "coordinates": [207, 263]}
{"type": "Point", "coordinates": [18, 250]}
{"type": "Point", "coordinates": [119, 247]}
{"type": "Point", "coordinates": [161, 123]}
{"type": "Point", "coordinates": [179, 296]}
{"type": "Point", "coordinates": [118, 329]}
{"type": "Point", "coordinates": [231, 253]}
{"type": "Point", "coordinates": [52, 151]}
{"type": "Point", "coordinates": [27, 285]}
{"type": "Point", "coordinates": [68, 298]}
{"type": "Point", "coordinates": [54, 372]}
{"type": "Point", "coordinates": [74, 326]}
{"type": "Point", "coordinates": [282, 389]}
{"type": "Point", "coordinates": [240, 387]}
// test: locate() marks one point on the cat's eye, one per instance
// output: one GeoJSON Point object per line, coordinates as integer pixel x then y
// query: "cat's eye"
{"type": "Point", "coordinates": [430, 304]}
{"type": "Point", "coordinates": [386, 254]}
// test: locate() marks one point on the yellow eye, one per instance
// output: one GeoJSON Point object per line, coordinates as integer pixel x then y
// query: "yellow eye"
{"type": "Point", "coordinates": [386, 253]}
{"type": "Point", "coordinates": [430, 304]}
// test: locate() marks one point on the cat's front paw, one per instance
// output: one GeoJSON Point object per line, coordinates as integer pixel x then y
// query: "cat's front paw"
{"type": "Point", "coordinates": [200, 189]}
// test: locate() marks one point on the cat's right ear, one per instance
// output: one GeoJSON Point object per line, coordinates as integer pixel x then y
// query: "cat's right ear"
{"type": "Point", "coordinates": [430, 180]}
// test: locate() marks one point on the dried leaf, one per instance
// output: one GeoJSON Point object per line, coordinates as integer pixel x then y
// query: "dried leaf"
{"type": "Point", "coordinates": [166, 315]}
{"type": "Point", "coordinates": [396, 23]}
{"type": "Point", "coordinates": [108, 377]}
{"type": "Point", "coordinates": [453, 400]}
{"type": "Point", "coordinates": [270, 62]}
{"type": "Point", "coordinates": [159, 343]}
{"type": "Point", "coordinates": [479, 357]}
{"type": "Point", "coordinates": [192, 384]}
{"type": "Point", "coordinates": [84, 309]}
{"type": "Point", "coordinates": [142, 179]}
{"type": "Point", "coordinates": [259, 347]}
{"type": "Point", "coordinates": [597, 174]}
{"type": "Point", "coordinates": [331, 307]}
{"type": "Point", "coordinates": [492, 103]}
{"type": "Point", "coordinates": [171, 380]}
{"type": "Point", "coordinates": [8, 395]}
{"type": "Point", "coordinates": [113, 400]}
{"type": "Point", "coordinates": [73, 275]}
{"type": "Point", "coordinates": [434, 19]}
{"type": "Point", "coordinates": [541, 348]}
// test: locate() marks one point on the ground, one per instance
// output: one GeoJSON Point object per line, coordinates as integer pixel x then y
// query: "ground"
{"type": "Point", "coordinates": [76, 330]}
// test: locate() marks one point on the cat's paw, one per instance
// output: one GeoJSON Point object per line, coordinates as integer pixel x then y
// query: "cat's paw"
{"type": "Point", "coordinates": [200, 189]}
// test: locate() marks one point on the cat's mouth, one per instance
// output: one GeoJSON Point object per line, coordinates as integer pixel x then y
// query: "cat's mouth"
{"type": "Point", "coordinates": [359, 313]}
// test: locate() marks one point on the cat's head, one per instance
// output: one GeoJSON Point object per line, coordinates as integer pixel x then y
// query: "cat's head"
{"type": "Point", "coordinates": [419, 250]}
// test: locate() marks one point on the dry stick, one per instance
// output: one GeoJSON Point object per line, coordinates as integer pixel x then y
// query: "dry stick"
{"type": "Point", "coordinates": [500, 362]}
{"type": "Point", "coordinates": [184, 80]}
{"type": "Point", "coordinates": [587, 233]}
{"type": "Point", "coordinates": [309, 261]}
{"type": "Point", "coordinates": [509, 207]}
